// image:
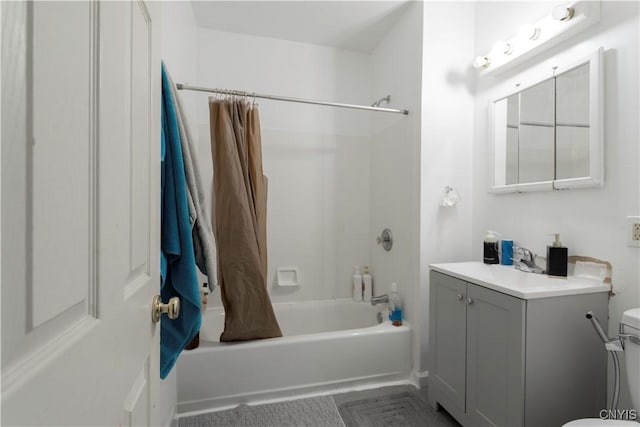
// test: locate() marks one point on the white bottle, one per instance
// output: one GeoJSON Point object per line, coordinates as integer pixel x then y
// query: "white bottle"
{"type": "Point", "coordinates": [357, 284]}
{"type": "Point", "coordinates": [368, 285]}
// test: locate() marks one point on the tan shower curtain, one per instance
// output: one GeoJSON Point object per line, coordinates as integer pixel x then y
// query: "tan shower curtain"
{"type": "Point", "coordinates": [240, 220]}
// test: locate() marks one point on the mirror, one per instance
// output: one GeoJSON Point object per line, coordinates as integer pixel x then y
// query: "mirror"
{"type": "Point", "coordinates": [548, 135]}
{"type": "Point", "coordinates": [572, 123]}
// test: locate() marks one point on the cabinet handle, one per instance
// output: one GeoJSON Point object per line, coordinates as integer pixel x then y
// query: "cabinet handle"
{"type": "Point", "coordinates": [469, 301]}
{"type": "Point", "coordinates": [460, 297]}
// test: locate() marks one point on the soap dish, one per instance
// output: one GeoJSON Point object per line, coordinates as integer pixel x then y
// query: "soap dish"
{"type": "Point", "coordinates": [288, 276]}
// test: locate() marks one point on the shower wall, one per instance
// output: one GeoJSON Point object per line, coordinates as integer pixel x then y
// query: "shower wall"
{"type": "Point", "coordinates": [337, 177]}
{"type": "Point", "coordinates": [317, 159]}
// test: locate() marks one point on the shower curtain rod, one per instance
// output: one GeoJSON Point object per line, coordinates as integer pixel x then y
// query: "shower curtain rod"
{"type": "Point", "coordinates": [181, 86]}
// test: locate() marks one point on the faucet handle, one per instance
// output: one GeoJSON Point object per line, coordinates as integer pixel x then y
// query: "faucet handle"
{"type": "Point", "coordinates": [521, 253]}
{"type": "Point", "coordinates": [380, 299]}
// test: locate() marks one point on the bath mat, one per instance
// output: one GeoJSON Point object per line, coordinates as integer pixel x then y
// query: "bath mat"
{"type": "Point", "coordinates": [313, 412]}
{"type": "Point", "coordinates": [404, 409]}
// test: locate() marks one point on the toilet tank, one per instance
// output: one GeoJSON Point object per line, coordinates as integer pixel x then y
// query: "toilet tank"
{"type": "Point", "coordinates": [631, 325]}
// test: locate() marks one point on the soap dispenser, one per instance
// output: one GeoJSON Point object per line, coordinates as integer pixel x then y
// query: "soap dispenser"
{"type": "Point", "coordinates": [491, 248]}
{"type": "Point", "coordinates": [557, 258]}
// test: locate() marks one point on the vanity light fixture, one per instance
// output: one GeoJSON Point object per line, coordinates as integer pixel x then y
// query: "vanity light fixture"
{"type": "Point", "coordinates": [563, 22]}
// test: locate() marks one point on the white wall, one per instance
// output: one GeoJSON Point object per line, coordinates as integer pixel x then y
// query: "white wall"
{"type": "Point", "coordinates": [395, 161]}
{"type": "Point", "coordinates": [179, 48]}
{"type": "Point", "coordinates": [316, 158]}
{"type": "Point", "coordinates": [447, 142]}
{"type": "Point", "coordinates": [591, 222]}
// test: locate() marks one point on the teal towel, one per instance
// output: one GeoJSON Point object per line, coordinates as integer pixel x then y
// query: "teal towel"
{"type": "Point", "coordinates": [177, 259]}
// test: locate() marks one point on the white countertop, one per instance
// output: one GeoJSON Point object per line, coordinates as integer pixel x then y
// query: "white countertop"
{"type": "Point", "coordinates": [508, 280]}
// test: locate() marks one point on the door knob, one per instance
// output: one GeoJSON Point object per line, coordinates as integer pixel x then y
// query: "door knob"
{"type": "Point", "coordinates": [469, 301]}
{"type": "Point", "coordinates": [459, 297]}
{"type": "Point", "coordinates": [172, 308]}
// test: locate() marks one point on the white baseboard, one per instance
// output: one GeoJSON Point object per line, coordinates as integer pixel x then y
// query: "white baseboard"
{"type": "Point", "coordinates": [418, 379]}
{"type": "Point", "coordinates": [423, 379]}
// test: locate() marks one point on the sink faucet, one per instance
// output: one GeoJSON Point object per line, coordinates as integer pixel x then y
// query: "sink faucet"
{"type": "Point", "coordinates": [525, 260]}
{"type": "Point", "coordinates": [380, 299]}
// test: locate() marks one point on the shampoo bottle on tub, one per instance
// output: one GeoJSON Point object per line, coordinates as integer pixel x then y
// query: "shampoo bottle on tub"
{"type": "Point", "coordinates": [357, 284]}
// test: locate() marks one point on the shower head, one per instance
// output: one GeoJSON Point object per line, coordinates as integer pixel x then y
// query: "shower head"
{"type": "Point", "coordinates": [379, 101]}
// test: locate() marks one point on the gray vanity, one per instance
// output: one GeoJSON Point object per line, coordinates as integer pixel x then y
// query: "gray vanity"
{"type": "Point", "coordinates": [508, 348]}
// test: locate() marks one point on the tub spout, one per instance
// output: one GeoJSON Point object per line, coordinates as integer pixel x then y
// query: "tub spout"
{"type": "Point", "coordinates": [380, 299]}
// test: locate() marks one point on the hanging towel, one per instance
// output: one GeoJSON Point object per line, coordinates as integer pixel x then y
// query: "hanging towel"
{"type": "Point", "coordinates": [203, 240]}
{"type": "Point", "coordinates": [177, 259]}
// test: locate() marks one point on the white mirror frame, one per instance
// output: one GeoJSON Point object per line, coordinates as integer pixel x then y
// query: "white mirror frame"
{"type": "Point", "coordinates": [596, 128]}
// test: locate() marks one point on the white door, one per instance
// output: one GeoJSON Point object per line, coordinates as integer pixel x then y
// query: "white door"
{"type": "Point", "coordinates": [80, 212]}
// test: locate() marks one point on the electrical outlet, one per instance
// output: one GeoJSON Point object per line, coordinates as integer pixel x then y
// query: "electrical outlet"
{"type": "Point", "coordinates": [633, 228]}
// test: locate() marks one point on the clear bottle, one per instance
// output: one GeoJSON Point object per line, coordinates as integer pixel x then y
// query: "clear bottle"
{"type": "Point", "coordinates": [357, 284]}
{"type": "Point", "coordinates": [395, 306]}
{"type": "Point", "coordinates": [367, 282]}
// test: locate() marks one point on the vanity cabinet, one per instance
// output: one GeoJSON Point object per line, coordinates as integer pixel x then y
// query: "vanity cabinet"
{"type": "Point", "coordinates": [500, 360]}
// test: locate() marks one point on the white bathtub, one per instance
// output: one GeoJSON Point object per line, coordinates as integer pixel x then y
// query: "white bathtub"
{"type": "Point", "coordinates": [327, 346]}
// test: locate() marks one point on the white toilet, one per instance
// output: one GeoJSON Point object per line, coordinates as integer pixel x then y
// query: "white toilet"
{"type": "Point", "coordinates": [631, 326]}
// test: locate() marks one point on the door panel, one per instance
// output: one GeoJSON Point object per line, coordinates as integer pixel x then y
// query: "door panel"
{"type": "Point", "coordinates": [495, 358]}
{"type": "Point", "coordinates": [80, 212]}
{"type": "Point", "coordinates": [140, 139]}
{"type": "Point", "coordinates": [448, 335]}
{"type": "Point", "coordinates": [136, 404]}
{"type": "Point", "coordinates": [48, 220]}
{"type": "Point", "coordinates": [62, 126]}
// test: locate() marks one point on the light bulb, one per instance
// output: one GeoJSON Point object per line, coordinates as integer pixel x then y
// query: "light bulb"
{"type": "Point", "coordinates": [529, 32]}
{"type": "Point", "coordinates": [562, 13]}
{"type": "Point", "coordinates": [502, 48]}
{"type": "Point", "coordinates": [481, 62]}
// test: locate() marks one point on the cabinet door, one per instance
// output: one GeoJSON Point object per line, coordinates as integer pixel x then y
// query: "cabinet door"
{"type": "Point", "coordinates": [447, 332]}
{"type": "Point", "coordinates": [495, 358]}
